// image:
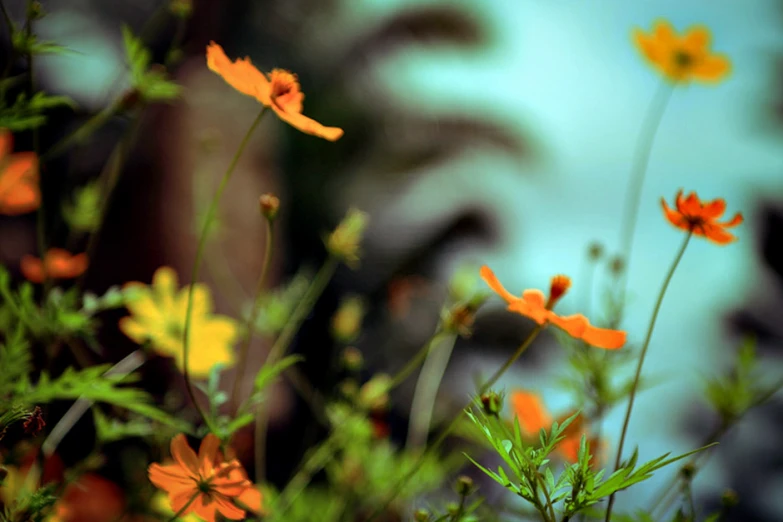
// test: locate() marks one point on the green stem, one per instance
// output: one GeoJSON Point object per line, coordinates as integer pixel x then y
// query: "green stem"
{"type": "Point", "coordinates": [445, 433]}
{"type": "Point", "coordinates": [641, 160]}
{"type": "Point", "coordinates": [314, 291]}
{"type": "Point", "coordinates": [299, 482]}
{"type": "Point", "coordinates": [83, 132]}
{"type": "Point", "coordinates": [185, 507]}
{"type": "Point", "coordinates": [416, 360]}
{"type": "Point", "coordinates": [642, 356]}
{"type": "Point", "coordinates": [197, 263]}
{"type": "Point", "coordinates": [426, 391]}
{"type": "Point", "coordinates": [253, 316]}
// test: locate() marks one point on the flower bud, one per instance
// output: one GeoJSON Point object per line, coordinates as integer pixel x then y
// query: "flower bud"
{"type": "Point", "coordinates": [181, 8]}
{"type": "Point", "coordinates": [347, 321]}
{"type": "Point", "coordinates": [687, 471]}
{"type": "Point", "coordinates": [374, 394]}
{"type": "Point", "coordinates": [421, 515]}
{"type": "Point", "coordinates": [492, 403]}
{"type": "Point", "coordinates": [352, 359]}
{"type": "Point", "coordinates": [459, 318]}
{"type": "Point", "coordinates": [617, 265]}
{"type": "Point", "coordinates": [465, 486]}
{"type": "Point", "coordinates": [595, 251]}
{"type": "Point", "coordinates": [269, 205]}
{"type": "Point", "coordinates": [729, 498]}
{"type": "Point", "coordinates": [343, 242]}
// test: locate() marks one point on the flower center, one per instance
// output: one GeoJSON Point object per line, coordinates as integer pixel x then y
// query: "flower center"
{"type": "Point", "coordinates": [175, 329]}
{"type": "Point", "coordinates": [683, 60]}
{"type": "Point", "coordinates": [204, 487]}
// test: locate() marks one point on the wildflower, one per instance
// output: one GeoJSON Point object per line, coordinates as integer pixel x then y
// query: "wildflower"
{"type": "Point", "coordinates": [203, 484]}
{"type": "Point", "coordinates": [269, 205]}
{"type": "Point", "coordinates": [158, 316]}
{"type": "Point", "coordinates": [279, 90]}
{"type": "Point", "coordinates": [56, 264]}
{"type": "Point", "coordinates": [532, 304]}
{"type": "Point", "coordinates": [344, 241]}
{"type": "Point", "coordinates": [701, 218]}
{"type": "Point", "coordinates": [682, 58]}
{"type": "Point", "coordinates": [533, 417]}
{"type": "Point", "coordinates": [19, 191]}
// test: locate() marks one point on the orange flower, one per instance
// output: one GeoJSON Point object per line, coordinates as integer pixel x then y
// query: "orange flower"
{"type": "Point", "coordinates": [682, 58]}
{"type": "Point", "coordinates": [280, 90]}
{"type": "Point", "coordinates": [533, 417]}
{"type": "Point", "coordinates": [203, 483]}
{"type": "Point", "coordinates": [57, 264]}
{"type": "Point", "coordinates": [19, 191]}
{"type": "Point", "coordinates": [532, 304]}
{"type": "Point", "coordinates": [91, 498]}
{"type": "Point", "coordinates": [701, 218]}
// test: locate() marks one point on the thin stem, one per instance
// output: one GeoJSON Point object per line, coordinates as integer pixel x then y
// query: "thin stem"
{"type": "Point", "coordinates": [426, 391]}
{"type": "Point", "coordinates": [197, 263]}
{"type": "Point", "coordinates": [445, 433]}
{"type": "Point", "coordinates": [638, 374]}
{"type": "Point", "coordinates": [641, 160]}
{"type": "Point", "coordinates": [253, 316]}
{"type": "Point", "coordinates": [416, 360]}
{"type": "Point", "coordinates": [319, 458]}
{"type": "Point", "coordinates": [314, 291]}
{"type": "Point", "coordinates": [185, 507]}
{"type": "Point", "coordinates": [548, 498]}
{"type": "Point", "coordinates": [83, 132]}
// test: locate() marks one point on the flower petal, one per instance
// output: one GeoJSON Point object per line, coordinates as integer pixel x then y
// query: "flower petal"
{"type": "Point", "coordinates": [241, 74]}
{"type": "Point", "coordinates": [713, 209]}
{"type": "Point", "coordinates": [648, 46]}
{"type": "Point", "coordinates": [492, 281]}
{"type": "Point", "coordinates": [32, 269]}
{"type": "Point", "coordinates": [308, 125]}
{"type": "Point", "coordinates": [208, 453]}
{"type": "Point", "coordinates": [184, 454]}
{"type": "Point", "coordinates": [712, 68]}
{"type": "Point", "coordinates": [674, 217]}
{"type": "Point", "coordinates": [530, 411]}
{"type": "Point", "coordinates": [696, 41]}
{"type": "Point", "coordinates": [664, 35]}
{"type": "Point", "coordinates": [733, 222]}
{"type": "Point", "coordinates": [579, 327]}
{"type": "Point", "coordinates": [171, 477]}
{"type": "Point", "coordinates": [251, 498]}
{"type": "Point", "coordinates": [717, 234]}
{"type": "Point", "coordinates": [6, 143]}
{"type": "Point", "coordinates": [228, 509]}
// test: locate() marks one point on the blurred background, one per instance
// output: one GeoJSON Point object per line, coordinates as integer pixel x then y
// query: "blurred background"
{"type": "Point", "coordinates": [494, 132]}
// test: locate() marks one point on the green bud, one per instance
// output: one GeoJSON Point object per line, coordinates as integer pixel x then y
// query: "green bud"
{"type": "Point", "coordinates": [352, 359]}
{"type": "Point", "coordinates": [347, 321]}
{"type": "Point", "coordinates": [421, 515]}
{"type": "Point", "coordinates": [492, 403]}
{"type": "Point", "coordinates": [729, 498]}
{"type": "Point", "coordinates": [465, 486]}
{"type": "Point", "coordinates": [343, 243]}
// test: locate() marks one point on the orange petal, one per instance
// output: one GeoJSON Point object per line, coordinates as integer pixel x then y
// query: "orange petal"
{"type": "Point", "coordinates": [208, 452]}
{"type": "Point", "coordinates": [716, 234]}
{"type": "Point", "coordinates": [674, 217]}
{"type": "Point", "coordinates": [534, 311]}
{"type": "Point", "coordinates": [648, 46]}
{"type": "Point", "coordinates": [714, 209]}
{"type": "Point", "coordinates": [184, 454]}
{"type": "Point", "coordinates": [604, 337]}
{"type": "Point", "coordinates": [736, 220]}
{"type": "Point", "coordinates": [712, 68]}
{"type": "Point", "coordinates": [492, 281]}
{"type": "Point", "coordinates": [531, 412]}
{"type": "Point", "coordinates": [569, 448]}
{"type": "Point", "coordinates": [171, 478]}
{"type": "Point", "coordinates": [6, 143]}
{"type": "Point", "coordinates": [690, 206]}
{"type": "Point", "coordinates": [228, 509]}
{"type": "Point", "coordinates": [251, 498]}
{"type": "Point", "coordinates": [308, 125]}
{"type": "Point", "coordinates": [241, 74]}
{"type": "Point", "coordinates": [664, 35]}
{"type": "Point", "coordinates": [20, 199]}
{"type": "Point", "coordinates": [32, 269]}
{"type": "Point", "coordinates": [696, 40]}
{"type": "Point", "coordinates": [205, 507]}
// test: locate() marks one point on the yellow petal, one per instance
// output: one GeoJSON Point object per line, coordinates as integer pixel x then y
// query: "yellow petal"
{"type": "Point", "coordinates": [712, 68]}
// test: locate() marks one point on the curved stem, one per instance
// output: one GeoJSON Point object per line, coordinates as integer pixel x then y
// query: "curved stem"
{"type": "Point", "coordinates": [83, 132]}
{"type": "Point", "coordinates": [253, 317]}
{"type": "Point", "coordinates": [314, 291]}
{"type": "Point", "coordinates": [185, 507]}
{"type": "Point", "coordinates": [197, 263]}
{"type": "Point", "coordinates": [641, 160]}
{"type": "Point", "coordinates": [426, 392]}
{"type": "Point", "coordinates": [445, 433]}
{"type": "Point", "coordinates": [416, 360]}
{"type": "Point", "coordinates": [638, 374]}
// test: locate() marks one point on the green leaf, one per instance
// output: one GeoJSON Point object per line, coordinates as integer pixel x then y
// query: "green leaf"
{"type": "Point", "coordinates": [268, 373]}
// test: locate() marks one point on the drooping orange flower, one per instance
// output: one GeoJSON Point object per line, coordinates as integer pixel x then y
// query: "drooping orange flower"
{"type": "Point", "coordinates": [279, 90]}
{"type": "Point", "coordinates": [57, 264]}
{"type": "Point", "coordinates": [204, 484]}
{"type": "Point", "coordinates": [701, 218]}
{"type": "Point", "coordinates": [534, 305]}
{"type": "Point", "coordinates": [533, 417]}
{"type": "Point", "coordinates": [19, 190]}
{"type": "Point", "coordinates": [682, 58]}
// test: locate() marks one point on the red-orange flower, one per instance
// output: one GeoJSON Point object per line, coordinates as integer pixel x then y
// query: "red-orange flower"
{"type": "Point", "coordinates": [533, 417]}
{"type": "Point", "coordinates": [204, 484]}
{"type": "Point", "coordinates": [57, 264]}
{"type": "Point", "coordinates": [534, 305]}
{"type": "Point", "coordinates": [19, 191]}
{"type": "Point", "coordinates": [91, 498]}
{"type": "Point", "coordinates": [280, 90]}
{"type": "Point", "coordinates": [701, 218]}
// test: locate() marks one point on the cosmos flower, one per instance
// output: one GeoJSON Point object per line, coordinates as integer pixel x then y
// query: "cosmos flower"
{"type": "Point", "coordinates": [701, 218]}
{"type": "Point", "coordinates": [158, 317]}
{"type": "Point", "coordinates": [204, 484]}
{"type": "Point", "coordinates": [682, 58]}
{"type": "Point", "coordinates": [56, 264]}
{"type": "Point", "coordinates": [19, 191]}
{"type": "Point", "coordinates": [279, 90]}
{"type": "Point", "coordinates": [534, 305]}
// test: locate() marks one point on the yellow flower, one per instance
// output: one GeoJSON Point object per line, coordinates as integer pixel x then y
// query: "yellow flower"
{"type": "Point", "coordinates": [158, 317]}
{"type": "Point", "coordinates": [682, 58]}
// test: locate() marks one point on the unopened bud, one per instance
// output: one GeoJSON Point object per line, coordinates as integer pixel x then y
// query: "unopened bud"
{"type": "Point", "coordinates": [34, 423]}
{"type": "Point", "coordinates": [459, 318]}
{"type": "Point", "coordinates": [344, 241]}
{"type": "Point", "coordinates": [453, 508]}
{"type": "Point", "coordinates": [181, 8]}
{"type": "Point", "coordinates": [348, 388]}
{"type": "Point", "coordinates": [617, 265]}
{"type": "Point", "coordinates": [557, 289]}
{"type": "Point", "coordinates": [492, 403]}
{"type": "Point", "coordinates": [347, 321]}
{"type": "Point", "coordinates": [374, 394]}
{"type": "Point", "coordinates": [35, 11]}
{"type": "Point", "coordinates": [729, 498]}
{"type": "Point", "coordinates": [687, 471]}
{"type": "Point", "coordinates": [465, 486]}
{"type": "Point", "coordinates": [269, 205]}
{"type": "Point", "coordinates": [352, 359]}
{"type": "Point", "coordinates": [595, 251]}
{"type": "Point", "coordinates": [421, 515]}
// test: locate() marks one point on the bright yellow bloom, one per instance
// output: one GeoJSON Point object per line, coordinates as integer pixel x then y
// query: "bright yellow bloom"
{"type": "Point", "coordinates": [681, 58]}
{"type": "Point", "coordinates": [158, 317]}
